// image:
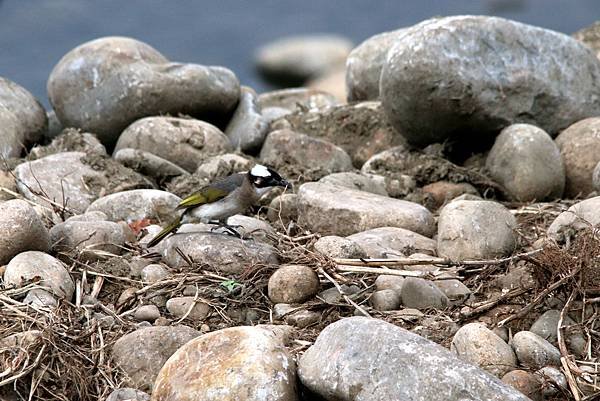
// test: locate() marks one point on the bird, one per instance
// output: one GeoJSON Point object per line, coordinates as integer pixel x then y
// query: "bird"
{"type": "Point", "coordinates": [223, 198]}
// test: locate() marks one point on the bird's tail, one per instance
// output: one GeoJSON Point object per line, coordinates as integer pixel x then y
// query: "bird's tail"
{"type": "Point", "coordinates": [172, 227]}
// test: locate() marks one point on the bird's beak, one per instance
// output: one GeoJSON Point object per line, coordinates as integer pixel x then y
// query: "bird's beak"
{"type": "Point", "coordinates": [285, 184]}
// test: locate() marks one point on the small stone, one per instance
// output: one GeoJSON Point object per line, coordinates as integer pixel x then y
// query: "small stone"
{"type": "Point", "coordinates": [223, 165]}
{"type": "Point", "coordinates": [91, 239]}
{"type": "Point", "coordinates": [332, 295]}
{"type": "Point", "coordinates": [291, 61]}
{"type": "Point", "coordinates": [110, 68]}
{"type": "Point", "coordinates": [527, 383]}
{"type": "Point", "coordinates": [421, 294]}
{"type": "Point", "coordinates": [390, 242]}
{"type": "Point", "coordinates": [454, 289]}
{"type": "Point", "coordinates": [299, 155]}
{"type": "Point", "coordinates": [237, 363]}
{"type": "Point", "coordinates": [128, 295]}
{"type": "Point", "coordinates": [580, 151]}
{"type": "Point", "coordinates": [127, 394]}
{"type": "Point", "coordinates": [7, 181]}
{"type": "Point", "coordinates": [384, 300]}
{"type": "Point", "coordinates": [292, 100]}
{"type": "Point", "coordinates": [293, 284]}
{"type": "Point", "coordinates": [148, 164]}
{"type": "Point", "coordinates": [137, 204]}
{"type": "Point", "coordinates": [546, 326]}
{"type": "Point", "coordinates": [146, 313]}
{"type": "Point", "coordinates": [21, 229]}
{"type": "Point", "coordinates": [374, 184]}
{"type": "Point", "coordinates": [350, 211]}
{"type": "Point", "coordinates": [580, 216]}
{"type": "Point", "coordinates": [105, 321]}
{"type": "Point", "coordinates": [142, 353]}
{"type": "Point", "coordinates": [526, 161]}
{"type": "Point", "coordinates": [180, 306]}
{"type": "Point", "coordinates": [475, 230]}
{"type": "Point", "coordinates": [389, 282]}
{"type": "Point", "coordinates": [251, 227]}
{"type": "Point", "coordinates": [553, 380]}
{"type": "Point", "coordinates": [153, 273]}
{"type": "Point", "coordinates": [533, 351]}
{"type": "Point", "coordinates": [444, 191]}
{"type": "Point", "coordinates": [39, 298]}
{"type": "Point", "coordinates": [302, 318]}
{"type": "Point", "coordinates": [478, 345]}
{"type": "Point", "coordinates": [247, 128]}
{"type": "Point", "coordinates": [70, 140]}
{"type": "Point", "coordinates": [280, 310]}
{"type": "Point", "coordinates": [34, 265]}
{"type": "Point", "coordinates": [283, 207]}
{"type": "Point", "coordinates": [501, 332]}
{"type": "Point", "coordinates": [333, 246]}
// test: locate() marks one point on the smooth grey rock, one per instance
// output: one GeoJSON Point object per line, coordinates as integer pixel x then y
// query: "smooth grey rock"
{"type": "Point", "coordinates": [127, 394]}
{"type": "Point", "coordinates": [596, 178]}
{"type": "Point", "coordinates": [332, 295]}
{"type": "Point", "coordinates": [385, 242]}
{"type": "Point", "coordinates": [142, 353]}
{"type": "Point", "coordinates": [222, 166]}
{"type": "Point", "coordinates": [364, 65]}
{"type": "Point", "coordinates": [153, 272]}
{"type": "Point", "coordinates": [39, 298]}
{"type": "Point", "coordinates": [294, 154]}
{"type": "Point", "coordinates": [546, 326]}
{"type": "Point", "coordinates": [389, 282]}
{"type": "Point", "coordinates": [251, 227]}
{"type": "Point", "coordinates": [579, 146]}
{"type": "Point", "coordinates": [216, 251]}
{"type": "Point", "coordinates": [476, 344]}
{"type": "Point", "coordinates": [280, 310]}
{"type": "Point", "coordinates": [581, 215]}
{"type": "Point", "coordinates": [21, 229]}
{"type": "Point", "coordinates": [148, 164]}
{"type": "Point", "coordinates": [385, 300]}
{"type": "Point", "coordinates": [496, 71]}
{"type": "Point", "coordinates": [237, 363]}
{"type": "Point", "coordinates": [333, 246]}
{"type": "Point", "coordinates": [54, 125]}
{"type": "Point", "coordinates": [302, 318]}
{"type": "Point", "coordinates": [180, 306]}
{"type": "Point", "coordinates": [369, 352]}
{"type": "Point", "coordinates": [183, 141]}
{"type": "Point", "coordinates": [419, 293]}
{"type": "Point", "coordinates": [52, 273]}
{"type": "Point", "coordinates": [533, 351]}
{"type": "Point", "coordinates": [295, 99]}
{"type": "Point", "coordinates": [374, 184]}
{"type": "Point", "coordinates": [526, 161]}
{"type": "Point", "coordinates": [553, 380]}
{"type": "Point", "coordinates": [361, 129]}
{"type": "Point", "coordinates": [91, 239]}
{"type": "Point", "coordinates": [74, 179]}
{"type": "Point", "coordinates": [104, 85]}
{"type": "Point", "coordinates": [293, 60]}
{"type": "Point", "coordinates": [247, 128]}
{"type": "Point", "coordinates": [22, 118]}
{"type": "Point", "coordinates": [88, 216]}
{"type": "Point", "coordinates": [350, 211]}
{"type": "Point", "coordinates": [292, 284]}
{"type": "Point", "coordinates": [146, 313]}
{"type": "Point", "coordinates": [454, 289]}
{"type": "Point", "coordinates": [475, 230]}
{"type": "Point", "coordinates": [283, 207]}
{"type": "Point", "coordinates": [137, 204]}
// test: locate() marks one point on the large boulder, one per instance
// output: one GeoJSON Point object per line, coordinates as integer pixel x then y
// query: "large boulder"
{"type": "Point", "coordinates": [237, 363]}
{"type": "Point", "coordinates": [474, 75]}
{"type": "Point", "coordinates": [104, 85]}
{"type": "Point", "coordinates": [334, 210]}
{"type": "Point", "coordinates": [367, 359]}
{"type": "Point", "coordinates": [22, 118]}
{"type": "Point", "coordinates": [183, 141]}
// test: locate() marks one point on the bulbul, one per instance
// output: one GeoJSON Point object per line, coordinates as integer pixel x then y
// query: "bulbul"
{"type": "Point", "coordinates": [216, 202]}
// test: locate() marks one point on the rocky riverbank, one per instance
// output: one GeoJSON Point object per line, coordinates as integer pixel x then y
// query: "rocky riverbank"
{"type": "Point", "coordinates": [439, 242]}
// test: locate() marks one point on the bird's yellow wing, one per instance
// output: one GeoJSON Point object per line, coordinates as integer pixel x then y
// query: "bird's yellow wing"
{"type": "Point", "coordinates": [208, 194]}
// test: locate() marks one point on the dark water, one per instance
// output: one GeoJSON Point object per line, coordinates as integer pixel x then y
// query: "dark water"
{"type": "Point", "coordinates": [34, 34]}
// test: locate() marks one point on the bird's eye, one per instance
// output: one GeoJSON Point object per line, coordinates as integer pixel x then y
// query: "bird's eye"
{"type": "Point", "coordinates": [258, 181]}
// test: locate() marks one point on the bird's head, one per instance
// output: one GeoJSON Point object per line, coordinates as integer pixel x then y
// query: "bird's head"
{"type": "Point", "coordinates": [264, 177]}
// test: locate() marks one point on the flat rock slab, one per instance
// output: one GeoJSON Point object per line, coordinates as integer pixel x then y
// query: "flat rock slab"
{"type": "Point", "coordinates": [216, 251]}
{"type": "Point", "coordinates": [392, 242]}
{"type": "Point", "coordinates": [367, 359]}
{"type": "Point", "coordinates": [137, 204]}
{"type": "Point", "coordinates": [334, 210]}
{"type": "Point", "coordinates": [74, 179]}
{"type": "Point", "coordinates": [495, 72]}
{"type": "Point", "coordinates": [238, 363]}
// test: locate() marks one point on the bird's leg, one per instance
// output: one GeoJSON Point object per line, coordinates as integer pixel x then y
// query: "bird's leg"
{"type": "Point", "coordinates": [230, 229]}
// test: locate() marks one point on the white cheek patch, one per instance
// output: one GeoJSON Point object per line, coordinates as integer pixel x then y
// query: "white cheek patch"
{"type": "Point", "coordinates": [260, 171]}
